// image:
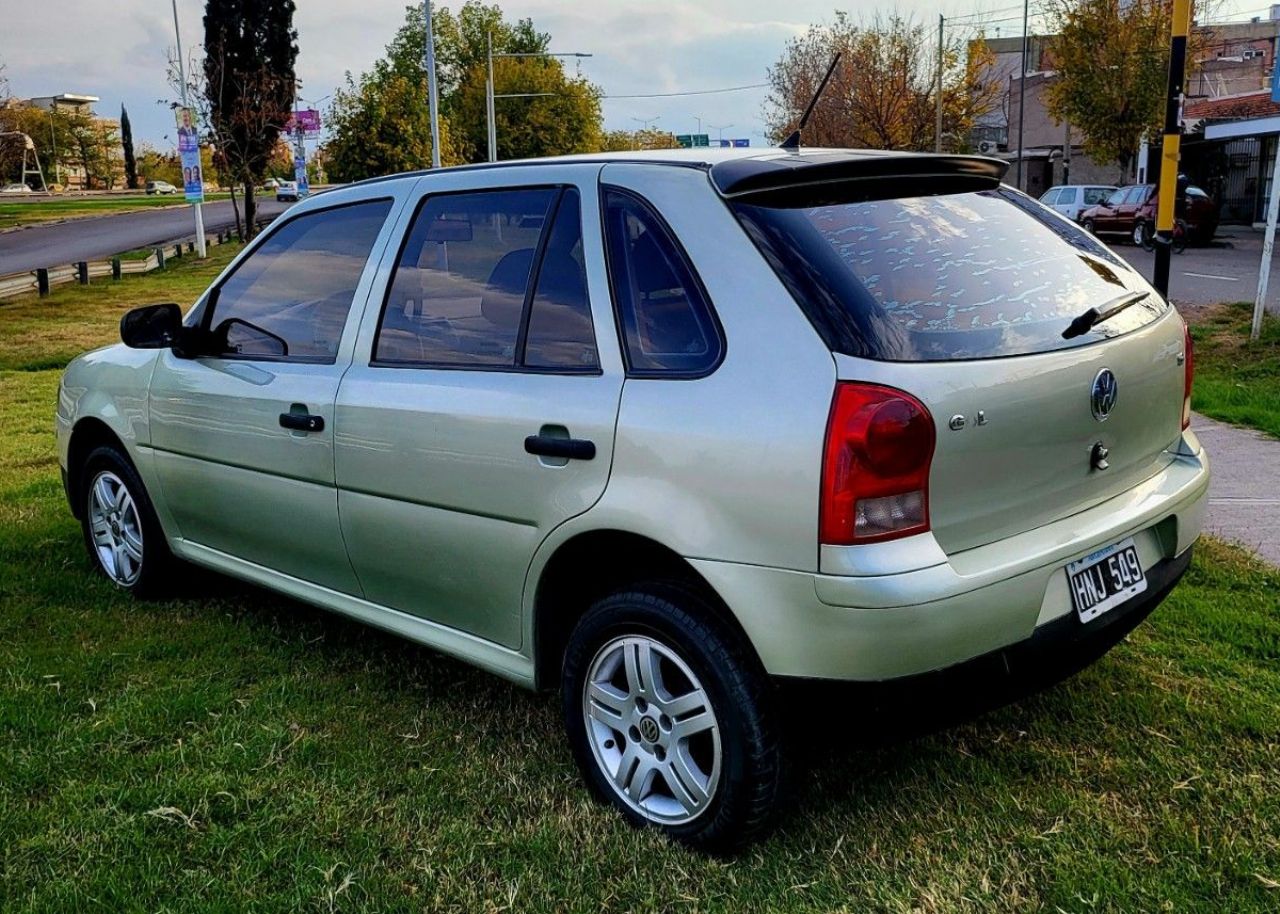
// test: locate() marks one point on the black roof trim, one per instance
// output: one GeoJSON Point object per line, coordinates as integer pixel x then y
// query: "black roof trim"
{"type": "Point", "coordinates": [810, 177]}
{"type": "Point", "coordinates": [529, 163]}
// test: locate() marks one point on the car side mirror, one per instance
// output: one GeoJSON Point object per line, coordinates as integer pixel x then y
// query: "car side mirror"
{"type": "Point", "coordinates": [152, 327]}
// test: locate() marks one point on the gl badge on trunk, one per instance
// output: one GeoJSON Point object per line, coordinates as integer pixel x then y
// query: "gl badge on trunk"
{"type": "Point", "coordinates": [1102, 399]}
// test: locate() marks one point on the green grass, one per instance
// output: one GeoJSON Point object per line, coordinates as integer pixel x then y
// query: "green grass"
{"type": "Point", "coordinates": [38, 333]}
{"type": "Point", "coordinates": [236, 751]}
{"type": "Point", "coordinates": [33, 212]}
{"type": "Point", "coordinates": [1237, 379]}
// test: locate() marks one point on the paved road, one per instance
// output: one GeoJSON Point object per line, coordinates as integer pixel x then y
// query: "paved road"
{"type": "Point", "coordinates": [1244, 506]}
{"type": "Point", "coordinates": [97, 238]}
{"type": "Point", "coordinates": [1205, 276]}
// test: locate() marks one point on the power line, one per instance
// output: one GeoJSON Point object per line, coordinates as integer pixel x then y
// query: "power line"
{"type": "Point", "coordinates": [695, 92]}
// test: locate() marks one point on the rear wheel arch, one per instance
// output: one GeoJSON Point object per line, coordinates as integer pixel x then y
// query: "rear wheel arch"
{"type": "Point", "coordinates": [592, 565]}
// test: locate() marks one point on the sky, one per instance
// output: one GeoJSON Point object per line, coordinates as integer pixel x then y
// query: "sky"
{"type": "Point", "coordinates": [639, 47]}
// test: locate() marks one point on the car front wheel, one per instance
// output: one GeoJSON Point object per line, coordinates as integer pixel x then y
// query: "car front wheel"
{"type": "Point", "coordinates": [669, 717]}
{"type": "Point", "coordinates": [121, 532]}
{"type": "Point", "coordinates": [1088, 226]}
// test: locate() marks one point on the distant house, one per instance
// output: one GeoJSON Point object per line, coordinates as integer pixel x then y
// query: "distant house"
{"type": "Point", "coordinates": [68, 171]}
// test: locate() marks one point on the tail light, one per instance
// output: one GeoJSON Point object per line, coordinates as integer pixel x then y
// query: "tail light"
{"type": "Point", "coordinates": [875, 472]}
{"type": "Point", "coordinates": [1188, 375]}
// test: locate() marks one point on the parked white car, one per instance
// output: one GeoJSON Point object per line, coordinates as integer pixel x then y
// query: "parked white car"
{"type": "Point", "coordinates": [286, 190]}
{"type": "Point", "coordinates": [1073, 199]}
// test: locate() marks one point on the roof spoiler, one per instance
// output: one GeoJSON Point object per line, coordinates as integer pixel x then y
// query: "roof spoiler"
{"type": "Point", "coordinates": [820, 178]}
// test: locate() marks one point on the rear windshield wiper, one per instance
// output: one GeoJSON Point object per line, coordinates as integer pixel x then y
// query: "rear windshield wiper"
{"type": "Point", "coordinates": [1086, 322]}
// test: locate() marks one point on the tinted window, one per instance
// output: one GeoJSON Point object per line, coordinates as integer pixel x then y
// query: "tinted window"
{"type": "Point", "coordinates": [459, 288]}
{"type": "Point", "coordinates": [1117, 197]}
{"type": "Point", "coordinates": [1094, 195]}
{"type": "Point", "coordinates": [960, 276]}
{"type": "Point", "coordinates": [291, 296]}
{"type": "Point", "coordinates": [560, 332]}
{"type": "Point", "coordinates": [666, 321]}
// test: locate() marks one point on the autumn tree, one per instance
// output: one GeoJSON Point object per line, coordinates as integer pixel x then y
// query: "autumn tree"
{"type": "Point", "coordinates": [1112, 63]}
{"type": "Point", "coordinates": [250, 50]}
{"type": "Point", "coordinates": [379, 128]}
{"type": "Point", "coordinates": [624, 140]}
{"type": "Point", "coordinates": [883, 93]}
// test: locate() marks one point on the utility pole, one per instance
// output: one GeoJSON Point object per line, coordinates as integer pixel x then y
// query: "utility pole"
{"type": "Point", "coordinates": [433, 99]}
{"type": "Point", "coordinates": [937, 134]}
{"type": "Point", "coordinates": [1180, 26]}
{"type": "Point", "coordinates": [488, 102]}
{"type": "Point", "coordinates": [53, 141]}
{"type": "Point", "coordinates": [182, 77]}
{"type": "Point", "coordinates": [1022, 87]}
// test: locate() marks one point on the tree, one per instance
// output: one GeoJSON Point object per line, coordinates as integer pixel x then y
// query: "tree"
{"type": "Point", "coordinates": [377, 122]}
{"type": "Point", "coordinates": [624, 140]}
{"type": "Point", "coordinates": [154, 165]}
{"type": "Point", "coordinates": [381, 127]}
{"type": "Point", "coordinates": [126, 139]}
{"type": "Point", "coordinates": [1112, 61]}
{"type": "Point", "coordinates": [250, 50]}
{"type": "Point", "coordinates": [883, 93]}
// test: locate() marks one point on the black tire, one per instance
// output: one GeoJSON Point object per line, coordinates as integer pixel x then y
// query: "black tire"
{"type": "Point", "coordinates": [1088, 226]}
{"type": "Point", "coordinates": [155, 575]}
{"type": "Point", "coordinates": [1143, 236]}
{"type": "Point", "coordinates": [745, 801]}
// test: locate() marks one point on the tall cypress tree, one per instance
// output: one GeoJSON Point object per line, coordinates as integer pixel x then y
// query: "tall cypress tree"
{"type": "Point", "coordinates": [250, 49]}
{"type": "Point", "coordinates": [130, 163]}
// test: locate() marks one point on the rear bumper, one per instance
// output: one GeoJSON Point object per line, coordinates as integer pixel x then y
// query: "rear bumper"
{"type": "Point", "coordinates": [886, 626]}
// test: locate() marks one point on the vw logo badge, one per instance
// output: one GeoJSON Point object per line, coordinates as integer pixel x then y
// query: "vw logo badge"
{"type": "Point", "coordinates": [1102, 399]}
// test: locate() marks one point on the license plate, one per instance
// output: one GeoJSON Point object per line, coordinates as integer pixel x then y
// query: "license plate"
{"type": "Point", "coordinates": [1104, 579]}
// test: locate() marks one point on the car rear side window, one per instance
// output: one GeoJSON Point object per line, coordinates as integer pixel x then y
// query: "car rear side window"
{"type": "Point", "coordinates": [666, 322]}
{"type": "Point", "coordinates": [1096, 195]}
{"type": "Point", "coordinates": [458, 294]}
{"type": "Point", "coordinates": [289, 298]}
{"type": "Point", "coordinates": [958, 276]}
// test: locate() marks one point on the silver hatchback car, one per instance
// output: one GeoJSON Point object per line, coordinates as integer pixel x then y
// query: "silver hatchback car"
{"type": "Point", "coordinates": [661, 431]}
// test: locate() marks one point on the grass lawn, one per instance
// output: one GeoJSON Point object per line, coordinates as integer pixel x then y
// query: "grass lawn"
{"type": "Point", "coordinates": [33, 212]}
{"type": "Point", "coordinates": [237, 751]}
{"type": "Point", "coordinates": [1237, 380]}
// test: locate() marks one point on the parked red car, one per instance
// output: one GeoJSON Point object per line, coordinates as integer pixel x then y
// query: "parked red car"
{"type": "Point", "coordinates": [1131, 211]}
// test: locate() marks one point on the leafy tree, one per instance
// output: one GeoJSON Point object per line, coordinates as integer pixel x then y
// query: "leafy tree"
{"type": "Point", "coordinates": [883, 93]}
{"type": "Point", "coordinates": [1112, 61]}
{"type": "Point", "coordinates": [126, 139]}
{"type": "Point", "coordinates": [250, 50]}
{"type": "Point", "coordinates": [93, 146]}
{"type": "Point", "coordinates": [379, 123]}
{"type": "Point", "coordinates": [624, 140]}
{"type": "Point", "coordinates": [381, 127]}
{"type": "Point", "coordinates": [154, 165]}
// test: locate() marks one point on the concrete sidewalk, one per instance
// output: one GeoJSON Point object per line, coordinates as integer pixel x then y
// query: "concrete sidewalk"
{"type": "Point", "coordinates": [1244, 495]}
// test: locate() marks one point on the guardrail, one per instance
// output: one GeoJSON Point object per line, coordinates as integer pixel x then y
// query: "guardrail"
{"type": "Point", "coordinates": [85, 271]}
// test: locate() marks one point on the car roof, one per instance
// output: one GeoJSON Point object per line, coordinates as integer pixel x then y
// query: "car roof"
{"type": "Point", "coordinates": [760, 169]}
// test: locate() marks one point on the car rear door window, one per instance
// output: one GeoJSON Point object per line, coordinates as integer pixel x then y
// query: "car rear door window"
{"type": "Point", "coordinates": [458, 294]}
{"type": "Point", "coordinates": [559, 332]}
{"type": "Point", "coordinates": [1095, 195]}
{"type": "Point", "coordinates": [666, 321]}
{"type": "Point", "coordinates": [290, 297]}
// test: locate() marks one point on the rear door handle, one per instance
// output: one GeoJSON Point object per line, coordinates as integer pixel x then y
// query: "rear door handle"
{"type": "Point", "coordinates": [302, 422]}
{"type": "Point", "coordinates": [550, 446]}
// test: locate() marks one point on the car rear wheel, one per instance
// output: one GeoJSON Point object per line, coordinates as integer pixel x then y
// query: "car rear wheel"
{"type": "Point", "coordinates": [121, 531]}
{"type": "Point", "coordinates": [669, 717]}
{"type": "Point", "coordinates": [1141, 234]}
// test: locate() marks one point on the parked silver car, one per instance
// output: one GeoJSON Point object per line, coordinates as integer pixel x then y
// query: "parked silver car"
{"type": "Point", "coordinates": [660, 430]}
{"type": "Point", "coordinates": [1073, 199]}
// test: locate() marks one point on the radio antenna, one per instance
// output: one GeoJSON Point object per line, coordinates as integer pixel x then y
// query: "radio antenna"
{"type": "Point", "coordinates": [793, 141]}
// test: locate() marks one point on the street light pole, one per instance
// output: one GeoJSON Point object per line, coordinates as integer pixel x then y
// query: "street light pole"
{"type": "Point", "coordinates": [182, 77]}
{"type": "Point", "coordinates": [489, 87]}
{"type": "Point", "coordinates": [1022, 88]}
{"type": "Point", "coordinates": [433, 98]}
{"type": "Point", "coordinates": [720, 128]}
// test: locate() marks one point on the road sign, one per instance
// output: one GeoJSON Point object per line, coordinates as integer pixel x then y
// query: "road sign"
{"type": "Point", "coordinates": [691, 140]}
{"type": "Point", "coordinates": [741, 144]}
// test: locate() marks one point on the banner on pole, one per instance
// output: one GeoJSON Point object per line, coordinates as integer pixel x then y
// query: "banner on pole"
{"type": "Point", "coordinates": [300, 173]}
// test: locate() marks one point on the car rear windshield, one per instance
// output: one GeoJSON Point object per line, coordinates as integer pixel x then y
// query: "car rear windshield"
{"type": "Point", "coordinates": [960, 276]}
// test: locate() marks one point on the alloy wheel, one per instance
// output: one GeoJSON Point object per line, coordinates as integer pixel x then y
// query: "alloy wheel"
{"type": "Point", "coordinates": [652, 729]}
{"type": "Point", "coordinates": [116, 528]}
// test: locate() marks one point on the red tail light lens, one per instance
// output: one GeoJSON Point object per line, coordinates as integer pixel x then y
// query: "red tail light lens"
{"type": "Point", "coordinates": [875, 473]}
{"type": "Point", "coordinates": [1188, 375]}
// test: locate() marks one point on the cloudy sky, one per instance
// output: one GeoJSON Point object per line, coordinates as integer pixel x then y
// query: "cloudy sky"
{"type": "Point", "coordinates": [117, 51]}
